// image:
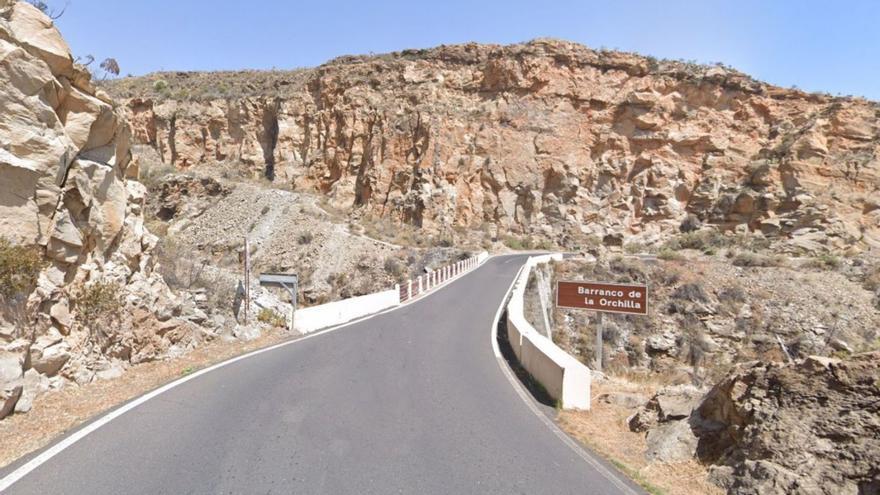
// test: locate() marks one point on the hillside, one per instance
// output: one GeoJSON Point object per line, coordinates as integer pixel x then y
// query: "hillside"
{"type": "Point", "coordinates": [542, 140]}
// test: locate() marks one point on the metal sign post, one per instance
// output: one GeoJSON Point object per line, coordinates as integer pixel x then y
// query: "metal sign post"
{"type": "Point", "coordinates": [288, 281]}
{"type": "Point", "coordinates": [602, 297]}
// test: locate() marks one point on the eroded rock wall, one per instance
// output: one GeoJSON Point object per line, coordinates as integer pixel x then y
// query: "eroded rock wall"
{"type": "Point", "coordinates": [546, 138]}
{"type": "Point", "coordinates": [64, 158]}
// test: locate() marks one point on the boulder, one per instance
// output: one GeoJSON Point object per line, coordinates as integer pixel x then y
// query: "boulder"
{"type": "Point", "coordinates": [671, 442]}
{"type": "Point", "coordinates": [672, 403]}
{"type": "Point", "coordinates": [10, 368]}
{"type": "Point", "coordinates": [9, 395]}
{"type": "Point", "coordinates": [629, 400]}
{"type": "Point", "coordinates": [38, 35]}
{"type": "Point", "coordinates": [33, 384]}
{"type": "Point", "coordinates": [49, 355]}
{"type": "Point", "coordinates": [246, 332]}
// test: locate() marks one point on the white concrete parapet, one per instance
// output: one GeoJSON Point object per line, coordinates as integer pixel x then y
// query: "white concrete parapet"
{"type": "Point", "coordinates": [308, 320]}
{"type": "Point", "coordinates": [564, 377]}
{"type": "Point", "coordinates": [313, 318]}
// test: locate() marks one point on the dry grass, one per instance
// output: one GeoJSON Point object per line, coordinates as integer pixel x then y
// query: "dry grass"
{"type": "Point", "coordinates": [604, 430]}
{"type": "Point", "coordinates": [55, 413]}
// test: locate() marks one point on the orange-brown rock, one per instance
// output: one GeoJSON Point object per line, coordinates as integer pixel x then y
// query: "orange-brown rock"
{"type": "Point", "coordinates": [547, 138]}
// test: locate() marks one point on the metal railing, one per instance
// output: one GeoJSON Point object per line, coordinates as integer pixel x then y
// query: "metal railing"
{"type": "Point", "coordinates": [414, 288]}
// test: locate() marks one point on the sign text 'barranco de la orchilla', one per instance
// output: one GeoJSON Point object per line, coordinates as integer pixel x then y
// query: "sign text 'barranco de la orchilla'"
{"type": "Point", "coordinates": [602, 296]}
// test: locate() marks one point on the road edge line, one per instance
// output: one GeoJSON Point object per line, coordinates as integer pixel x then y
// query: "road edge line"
{"type": "Point", "coordinates": [530, 402]}
{"type": "Point", "coordinates": [55, 449]}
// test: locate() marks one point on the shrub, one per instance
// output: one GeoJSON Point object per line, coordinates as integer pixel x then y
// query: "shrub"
{"type": "Point", "coordinates": [98, 304]}
{"type": "Point", "coordinates": [393, 267]}
{"type": "Point", "coordinates": [872, 279]}
{"type": "Point", "coordinates": [271, 317]}
{"type": "Point", "coordinates": [824, 262]}
{"type": "Point", "coordinates": [731, 299]}
{"type": "Point", "coordinates": [759, 260]}
{"type": "Point", "coordinates": [151, 176]}
{"type": "Point", "coordinates": [691, 292]}
{"type": "Point", "coordinates": [19, 268]}
{"type": "Point", "coordinates": [305, 238]}
{"type": "Point", "coordinates": [670, 255]}
{"type": "Point", "coordinates": [160, 85]}
{"type": "Point", "coordinates": [515, 243]}
{"type": "Point", "coordinates": [699, 240]}
{"type": "Point", "coordinates": [690, 224]}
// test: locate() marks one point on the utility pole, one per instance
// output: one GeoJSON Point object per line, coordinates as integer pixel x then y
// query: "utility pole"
{"type": "Point", "coordinates": [247, 279]}
{"type": "Point", "coordinates": [598, 345]}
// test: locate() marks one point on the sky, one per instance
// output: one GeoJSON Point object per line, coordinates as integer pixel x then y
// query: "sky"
{"type": "Point", "coordinates": [830, 46]}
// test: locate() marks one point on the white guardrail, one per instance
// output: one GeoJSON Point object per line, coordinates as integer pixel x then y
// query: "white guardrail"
{"type": "Point", "coordinates": [564, 377]}
{"type": "Point", "coordinates": [315, 318]}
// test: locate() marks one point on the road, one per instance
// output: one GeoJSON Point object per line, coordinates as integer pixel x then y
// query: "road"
{"type": "Point", "coordinates": [409, 401]}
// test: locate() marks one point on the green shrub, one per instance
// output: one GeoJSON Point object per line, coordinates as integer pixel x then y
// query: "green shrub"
{"type": "Point", "coordinates": [160, 85]}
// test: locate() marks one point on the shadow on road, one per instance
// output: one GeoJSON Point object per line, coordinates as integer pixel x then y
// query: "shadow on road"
{"type": "Point", "coordinates": [538, 392]}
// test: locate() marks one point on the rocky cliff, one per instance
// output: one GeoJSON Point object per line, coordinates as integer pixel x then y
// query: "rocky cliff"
{"type": "Point", "coordinates": [808, 427]}
{"type": "Point", "coordinates": [92, 303]}
{"type": "Point", "coordinates": [548, 138]}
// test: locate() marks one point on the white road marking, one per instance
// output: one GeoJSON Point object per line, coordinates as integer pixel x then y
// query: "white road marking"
{"type": "Point", "coordinates": [530, 402]}
{"type": "Point", "coordinates": [54, 450]}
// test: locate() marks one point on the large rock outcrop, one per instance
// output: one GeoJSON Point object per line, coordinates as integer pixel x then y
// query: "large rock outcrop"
{"type": "Point", "coordinates": [546, 138]}
{"type": "Point", "coordinates": [809, 427]}
{"type": "Point", "coordinates": [64, 158]}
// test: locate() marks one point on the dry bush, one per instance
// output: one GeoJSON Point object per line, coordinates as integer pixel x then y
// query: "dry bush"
{"type": "Point", "coordinates": [667, 254]}
{"type": "Point", "coordinates": [182, 271]}
{"type": "Point", "coordinates": [823, 262]}
{"type": "Point", "coordinates": [271, 317]}
{"type": "Point", "coordinates": [731, 299]}
{"type": "Point", "coordinates": [19, 269]}
{"type": "Point", "coordinates": [750, 259]}
{"type": "Point", "coordinates": [692, 292]}
{"type": "Point", "coordinates": [305, 238]}
{"type": "Point", "coordinates": [393, 268]}
{"type": "Point", "coordinates": [99, 306]}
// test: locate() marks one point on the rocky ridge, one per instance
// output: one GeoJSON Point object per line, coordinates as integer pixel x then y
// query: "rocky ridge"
{"type": "Point", "coordinates": [546, 139]}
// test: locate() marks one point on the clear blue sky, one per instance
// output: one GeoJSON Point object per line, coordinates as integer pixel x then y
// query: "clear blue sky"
{"type": "Point", "coordinates": [816, 45]}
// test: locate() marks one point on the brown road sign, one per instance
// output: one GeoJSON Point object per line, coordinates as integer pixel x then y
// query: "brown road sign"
{"type": "Point", "coordinates": [603, 296]}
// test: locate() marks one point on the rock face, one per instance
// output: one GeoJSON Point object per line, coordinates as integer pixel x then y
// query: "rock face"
{"type": "Point", "coordinates": [810, 427]}
{"type": "Point", "coordinates": [666, 419]}
{"type": "Point", "coordinates": [64, 157]}
{"type": "Point", "coordinates": [546, 138]}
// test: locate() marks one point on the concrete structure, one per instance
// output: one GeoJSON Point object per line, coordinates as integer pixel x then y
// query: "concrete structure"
{"type": "Point", "coordinates": [308, 320]}
{"type": "Point", "coordinates": [565, 378]}
{"type": "Point", "coordinates": [326, 315]}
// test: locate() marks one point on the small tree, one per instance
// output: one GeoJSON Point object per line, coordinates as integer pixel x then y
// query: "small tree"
{"type": "Point", "coordinates": [110, 67]}
{"type": "Point", "coordinates": [44, 8]}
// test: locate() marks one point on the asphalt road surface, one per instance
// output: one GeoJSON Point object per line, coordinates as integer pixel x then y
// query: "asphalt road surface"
{"type": "Point", "coordinates": [410, 401]}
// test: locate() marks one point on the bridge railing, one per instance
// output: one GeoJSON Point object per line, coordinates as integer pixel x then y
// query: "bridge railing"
{"type": "Point", "coordinates": [413, 288]}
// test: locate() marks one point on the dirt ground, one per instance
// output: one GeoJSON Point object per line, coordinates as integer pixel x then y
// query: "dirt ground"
{"type": "Point", "coordinates": [604, 430]}
{"type": "Point", "coordinates": [55, 413]}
